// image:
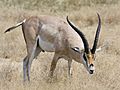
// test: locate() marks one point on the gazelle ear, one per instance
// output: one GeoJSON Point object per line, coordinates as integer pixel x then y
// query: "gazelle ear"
{"type": "Point", "coordinates": [98, 49]}
{"type": "Point", "coordinates": [76, 49]}
{"type": "Point", "coordinates": [102, 47]}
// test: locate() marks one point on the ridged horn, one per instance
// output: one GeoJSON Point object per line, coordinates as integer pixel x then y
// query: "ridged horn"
{"type": "Point", "coordinates": [85, 42]}
{"type": "Point", "coordinates": [97, 35]}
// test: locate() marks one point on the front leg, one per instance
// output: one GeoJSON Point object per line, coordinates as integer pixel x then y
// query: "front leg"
{"type": "Point", "coordinates": [69, 67]}
{"type": "Point", "coordinates": [53, 64]}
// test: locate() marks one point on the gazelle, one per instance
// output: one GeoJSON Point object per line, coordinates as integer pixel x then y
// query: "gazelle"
{"type": "Point", "coordinates": [52, 34]}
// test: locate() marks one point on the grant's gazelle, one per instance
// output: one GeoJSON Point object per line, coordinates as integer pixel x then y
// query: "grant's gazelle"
{"type": "Point", "coordinates": [53, 34]}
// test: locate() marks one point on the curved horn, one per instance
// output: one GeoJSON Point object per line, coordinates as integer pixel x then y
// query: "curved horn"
{"type": "Point", "coordinates": [85, 42]}
{"type": "Point", "coordinates": [97, 35]}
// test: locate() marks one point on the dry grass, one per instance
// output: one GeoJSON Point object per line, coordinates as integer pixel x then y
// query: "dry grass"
{"type": "Point", "coordinates": [12, 46]}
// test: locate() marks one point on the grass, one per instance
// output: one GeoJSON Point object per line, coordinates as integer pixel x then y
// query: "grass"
{"type": "Point", "coordinates": [83, 14]}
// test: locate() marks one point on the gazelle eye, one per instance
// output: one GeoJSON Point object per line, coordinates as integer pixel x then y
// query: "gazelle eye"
{"type": "Point", "coordinates": [76, 49]}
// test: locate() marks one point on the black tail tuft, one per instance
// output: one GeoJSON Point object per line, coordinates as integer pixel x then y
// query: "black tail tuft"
{"type": "Point", "coordinates": [13, 27]}
{"type": "Point", "coordinates": [7, 30]}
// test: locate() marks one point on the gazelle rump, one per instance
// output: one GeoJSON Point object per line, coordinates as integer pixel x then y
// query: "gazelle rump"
{"type": "Point", "coordinates": [53, 34]}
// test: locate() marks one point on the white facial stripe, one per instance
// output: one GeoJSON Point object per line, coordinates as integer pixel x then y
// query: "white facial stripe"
{"type": "Point", "coordinates": [85, 64]}
{"type": "Point", "coordinates": [85, 59]}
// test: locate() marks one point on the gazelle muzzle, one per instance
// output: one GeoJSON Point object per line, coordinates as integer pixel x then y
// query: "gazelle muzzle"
{"type": "Point", "coordinates": [91, 68]}
{"type": "Point", "coordinates": [88, 63]}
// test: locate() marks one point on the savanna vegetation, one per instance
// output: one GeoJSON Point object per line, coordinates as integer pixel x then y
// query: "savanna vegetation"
{"type": "Point", "coordinates": [83, 14]}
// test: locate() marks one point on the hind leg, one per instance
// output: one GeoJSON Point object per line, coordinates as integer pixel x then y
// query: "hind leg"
{"type": "Point", "coordinates": [32, 53]}
{"type": "Point", "coordinates": [25, 64]}
{"type": "Point", "coordinates": [37, 51]}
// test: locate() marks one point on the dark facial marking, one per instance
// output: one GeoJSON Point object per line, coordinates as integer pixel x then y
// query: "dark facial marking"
{"type": "Point", "coordinates": [91, 65]}
{"type": "Point", "coordinates": [85, 58]}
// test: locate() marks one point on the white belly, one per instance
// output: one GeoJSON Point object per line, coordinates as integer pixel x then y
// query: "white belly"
{"type": "Point", "coordinates": [46, 46]}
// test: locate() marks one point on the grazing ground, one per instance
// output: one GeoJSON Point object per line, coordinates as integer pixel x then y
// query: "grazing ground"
{"type": "Point", "coordinates": [83, 14]}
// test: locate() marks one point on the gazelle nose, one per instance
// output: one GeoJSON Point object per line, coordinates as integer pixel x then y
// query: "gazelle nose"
{"type": "Point", "coordinates": [91, 65]}
{"type": "Point", "coordinates": [91, 71]}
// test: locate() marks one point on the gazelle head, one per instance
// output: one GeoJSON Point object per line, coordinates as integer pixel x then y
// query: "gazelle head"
{"type": "Point", "coordinates": [89, 53]}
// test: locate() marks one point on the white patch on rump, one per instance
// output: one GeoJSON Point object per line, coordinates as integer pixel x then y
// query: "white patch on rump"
{"type": "Point", "coordinates": [47, 46]}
